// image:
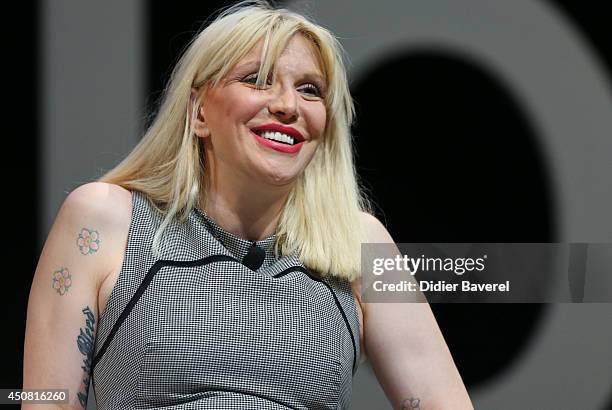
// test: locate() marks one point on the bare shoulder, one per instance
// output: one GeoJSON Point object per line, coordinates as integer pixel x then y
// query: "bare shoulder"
{"type": "Point", "coordinates": [100, 197]}
{"type": "Point", "coordinates": [99, 202]}
{"type": "Point", "coordinates": [376, 231]}
{"type": "Point", "coordinates": [101, 213]}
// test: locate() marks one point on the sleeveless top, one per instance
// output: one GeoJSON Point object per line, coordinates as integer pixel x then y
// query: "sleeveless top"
{"type": "Point", "coordinates": [196, 329]}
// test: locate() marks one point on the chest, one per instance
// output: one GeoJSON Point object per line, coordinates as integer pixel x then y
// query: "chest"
{"type": "Point", "coordinates": [110, 281]}
{"type": "Point", "coordinates": [205, 330]}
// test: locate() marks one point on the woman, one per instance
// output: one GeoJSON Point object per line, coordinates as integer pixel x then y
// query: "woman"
{"type": "Point", "coordinates": [218, 265]}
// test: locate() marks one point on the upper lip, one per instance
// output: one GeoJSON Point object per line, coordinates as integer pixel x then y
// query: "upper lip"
{"type": "Point", "coordinates": [280, 128]}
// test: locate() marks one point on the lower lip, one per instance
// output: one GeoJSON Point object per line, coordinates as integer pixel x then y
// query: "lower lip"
{"type": "Point", "coordinates": [279, 146]}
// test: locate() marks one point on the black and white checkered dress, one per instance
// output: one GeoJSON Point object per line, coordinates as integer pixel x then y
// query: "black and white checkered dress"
{"type": "Point", "coordinates": [196, 329]}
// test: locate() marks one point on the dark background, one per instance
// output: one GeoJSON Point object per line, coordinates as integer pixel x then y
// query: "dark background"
{"type": "Point", "coordinates": [504, 173]}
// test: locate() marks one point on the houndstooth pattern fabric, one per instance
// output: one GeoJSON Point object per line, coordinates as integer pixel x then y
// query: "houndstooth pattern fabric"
{"type": "Point", "coordinates": [196, 329]}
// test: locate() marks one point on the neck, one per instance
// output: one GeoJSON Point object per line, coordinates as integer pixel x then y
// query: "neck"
{"type": "Point", "coordinates": [245, 209]}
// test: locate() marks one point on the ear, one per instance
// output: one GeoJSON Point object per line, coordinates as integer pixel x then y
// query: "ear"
{"type": "Point", "coordinates": [200, 127]}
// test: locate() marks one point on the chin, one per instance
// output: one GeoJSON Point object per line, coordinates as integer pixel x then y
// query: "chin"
{"type": "Point", "coordinates": [280, 178]}
{"type": "Point", "coordinates": [278, 173]}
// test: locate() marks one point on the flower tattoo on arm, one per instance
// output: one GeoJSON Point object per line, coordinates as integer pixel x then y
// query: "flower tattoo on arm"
{"type": "Point", "coordinates": [411, 403]}
{"type": "Point", "coordinates": [88, 241]}
{"type": "Point", "coordinates": [62, 280]}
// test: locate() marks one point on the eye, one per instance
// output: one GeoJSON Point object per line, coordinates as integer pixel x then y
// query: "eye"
{"type": "Point", "coordinates": [252, 79]}
{"type": "Point", "coordinates": [312, 89]}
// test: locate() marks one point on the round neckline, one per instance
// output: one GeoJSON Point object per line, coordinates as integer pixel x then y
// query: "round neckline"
{"type": "Point", "coordinates": [227, 233]}
{"type": "Point", "coordinates": [235, 245]}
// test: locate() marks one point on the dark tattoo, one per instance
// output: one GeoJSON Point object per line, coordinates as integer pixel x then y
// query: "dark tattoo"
{"type": "Point", "coordinates": [88, 241]}
{"type": "Point", "coordinates": [85, 342]}
{"type": "Point", "coordinates": [411, 404]}
{"type": "Point", "coordinates": [61, 280]}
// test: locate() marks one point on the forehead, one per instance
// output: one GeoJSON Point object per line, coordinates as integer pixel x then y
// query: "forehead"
{"type": "Point", "coordinates": [299, 55]}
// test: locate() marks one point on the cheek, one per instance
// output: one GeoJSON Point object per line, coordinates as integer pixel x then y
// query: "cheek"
{"type": "Point", "coordinates": [243, 106]}
{"type": "Point", "coordinates": [317, 119]}
{"type": "Point", "coordinates": [232, 106]}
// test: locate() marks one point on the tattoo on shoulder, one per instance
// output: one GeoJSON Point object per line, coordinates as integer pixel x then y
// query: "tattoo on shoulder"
{"type": "Point", "coordinates": [411, 403]}
{"type": "Point", "coordinates": [61, 280]}
{"type": "Point", "coordinates": [85, 342]}
{"type": "Point", "coordinates": [88, 241]}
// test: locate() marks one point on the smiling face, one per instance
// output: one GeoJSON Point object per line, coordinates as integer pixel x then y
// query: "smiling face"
{"type": "Point", "coordinates": [235, 115]}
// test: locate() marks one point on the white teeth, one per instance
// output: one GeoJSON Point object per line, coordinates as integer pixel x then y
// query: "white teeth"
{"type": "Point", "coordinates": [277, 136]}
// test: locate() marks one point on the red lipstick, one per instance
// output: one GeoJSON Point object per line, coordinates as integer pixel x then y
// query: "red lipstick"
{"type": "Point", "coordinates": [279, 146]}
{"type": "Point", "coordinates": [280, 128]}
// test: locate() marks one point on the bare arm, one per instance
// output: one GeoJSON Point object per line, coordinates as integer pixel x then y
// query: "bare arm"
{"type": "Point", "coordinates": [62, 308]}
{"type": "Point", "coordinates": [407, 350]}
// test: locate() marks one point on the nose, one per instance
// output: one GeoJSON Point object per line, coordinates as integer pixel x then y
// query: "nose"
{"type": "Point", "coordinates": [284, 104]}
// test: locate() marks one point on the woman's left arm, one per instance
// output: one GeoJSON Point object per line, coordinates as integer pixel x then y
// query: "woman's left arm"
{"type": "Point", "coordinates": [407, 350]}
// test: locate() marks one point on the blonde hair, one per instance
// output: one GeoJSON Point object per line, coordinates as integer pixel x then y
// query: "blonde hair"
{"type": "Point", "coordinates": [321, 220]}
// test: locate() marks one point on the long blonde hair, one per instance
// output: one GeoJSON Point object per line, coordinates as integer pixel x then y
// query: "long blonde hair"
{"type": "Point", "coordinates": [321, 220]}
